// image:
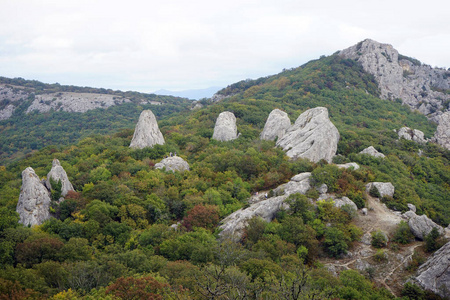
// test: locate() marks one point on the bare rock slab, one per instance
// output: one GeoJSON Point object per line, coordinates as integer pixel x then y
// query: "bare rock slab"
{"type": "Point", "coordinates": [411, 135]}
{"type": "Point", "coordinates": [384, 188]}
{"type": "Point", "coordinates": [313, 136]}
{"type": "Point", "coordinates": [173, 163]}
{"type": "Point", "coordinates": [421, 225]}
{"type": "Point", "coordinates": [276, 125]}
{"type": "Point", "coordinates": [372, 152]}
{"type": "Point", "coordinates": [225, 128]}
{"type": "Point", "coordinates": [34, 199]}
{"type": "Point", "coordinates": [57, 173]}
{"type": "Point", "coordinates": [146, 133]}
{"type": "Point", "coordinates": [442, 134]}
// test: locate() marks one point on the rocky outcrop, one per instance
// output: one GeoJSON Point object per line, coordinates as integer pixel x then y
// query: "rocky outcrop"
{"type": "Point", "coordinates": [57, 173]}
{"type": "Point", "coordinates": [234, 224]}
{"type": "Point", "coordinates": [442, 134]}
{"type": "Point", "coordinates": [421, 226]}
{"type": "Point", "coordinates": [313, 136]}
{"type": "Point", "coordinates": [173, 163]}
{"type": "Point", "coordinates": [434, 274]}
{"type": "Point", "coordinates": [146, 133]}
{"type": "Point", "coordinates": [298, 184]}
{"type": "Point", "coordinates": [384, 188]}
{"type": "Point", "coordinates": [34, 200]}
{"type": "Point", "coordinates": [372, 152]}
{"type": "Point", "coordinates": [419, 86]}
{"type": "Point", "coordinates": [225, 128]}
{"type": "Point", "coordinates": [338, 202]}
{"type": "Point", "coordinates": [353, 165]}
{"type": "Point", "coordinates": [411, 135]}
{"type": "Point", "coordinates": [276, 125]}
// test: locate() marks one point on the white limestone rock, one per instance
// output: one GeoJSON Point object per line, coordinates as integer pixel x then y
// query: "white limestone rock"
{"type": "Point", "coordinates": [276, 125]}
{"type": "Point", "coordinates": [146, 133]}
{"type": "Point", "coordinates": [173, 163]}
{"type": "Point", "coordinates": [434, 274]}
{"type": "Point", "coordinates": [34, 199]}
{"type": "Point", "coordinates": [298, 184]}
{"type": "Point", "coordinates": [421, 226]}
{"type": "Point", "coordinates": [313, 136]}
{"type": "Point", "coordinates": [339, 202]}
{"type": "Point", "coordinates": [412, 207]}
{"type": "Point", "coordinates": [353, 165]}
{"type": "Point", "coordinates": [384, 188]}
{"type": "Point", "coordinates": [372, 152]}
{"type": "Point", "coordinates": [225, 128]}
{"type": "Point", "coordinates": [58, 173]}
{"type": "Point", "coordinates": [411, 135]}
{"type": "Point", "coordinates": [442, 134]}
{"type": "Point", "coordinates": [234, 224]}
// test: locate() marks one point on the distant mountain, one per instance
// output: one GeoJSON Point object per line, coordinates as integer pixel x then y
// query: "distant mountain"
{"type": "Point", "coordinates": [191, 94]}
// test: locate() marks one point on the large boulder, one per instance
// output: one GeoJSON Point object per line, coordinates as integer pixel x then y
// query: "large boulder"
{"type": "Point", "coordinates": [34, 200]}
{"type": "Point", "coordinates": [372, 152]}
{"type": "Point", "coordinates": [298, 184]}
{"type": "Point", "coordinates": [276, 125]}
{"type": "Point", "coordinates": [421, 226]}
{"type": "Point", "coordinates": [434, 274]}
{"type": "Point", "coordinates": [57, 173]}
{"type": "Point", "coordinates": [384, 188]}
{"type": "Point", "coordinates": [442, 134]}
{"type": "Point", "coordinates": [353, 165]}
{"type": "Point", "coordinates": [411, 135]}
{"type": "Point", "coordinates": [173, 163]}
{"type": "Point", "coordinates": [147, 133]}
{"type": "Point", "coordinates": [338, 202]}
{"type": "Point", "coordinates": [225, 128]}
{"type": "Point", "coordinates": [313, 136]}
{"type": "Point", "coordinates": [234, 224]}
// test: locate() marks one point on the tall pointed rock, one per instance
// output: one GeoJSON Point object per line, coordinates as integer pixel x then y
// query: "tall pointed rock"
{"type": "Point", "coordinates": [58, 173]}
{"type": "Point", "coordinates": [147, 133]}
{"type": "Point", "coordinates": [225, 128]}
{"type": "Point", "coordinates": [34, 200]}
{"type": "Point", "coordinates": [313, 136]}
{"type": "Point", "coordinates": [276, 125]}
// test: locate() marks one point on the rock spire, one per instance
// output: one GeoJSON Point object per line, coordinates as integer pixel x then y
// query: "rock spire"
{"type": "Point", "coordinates": [225, 128]}
{"type": "Point", "coordinates": [276, 125]}
{"type": "Point", "coordinates": [58, 173]}
{"type": "Point", "coordinates": [146, 133]}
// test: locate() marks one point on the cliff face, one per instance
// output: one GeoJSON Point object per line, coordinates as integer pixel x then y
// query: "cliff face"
{"type": "Point", "coordinates": [419, 86]}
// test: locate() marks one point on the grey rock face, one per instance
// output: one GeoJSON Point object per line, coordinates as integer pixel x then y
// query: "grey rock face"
{"type": "Point", "coordinates": [146, 133]}
{"type": "Point", "coordinates": [58, 173]}
{"type": "Point", "coordinates": [339, 202]}
{"type": "Point", "coordinates": [225, 128]}
{"type": "Point", "coordinates": [442, 134]}
{"type": "Point", "coordinates": [412, 207]}
{"type": "Point", "coordinates": [434, 274]}
{"type": "Point", "coordinates": [234, 224]}
{"type": "Point", "coordinates": [411, 135]}
{"type": "Point", "coordinates": [372, 152]}
{"type": "Point", "coordinates": [34, 200]}
{"type": "Point", "coordinates": [384, 188]}
{"type": "Point", "coordinates": [174, 163]}
{"type": "Point", "coordinates": [313, 136]}
{"type": "Point", "coordinates": [298, 184]}
{"type": "Point", "coordinates": [421, 226]}
{"type": "Point", "coordinates": [353, 165]}
{"type": "Point", "coordinates": [7, 112]}
{"type": "Point", "coordinates": [276, 125]}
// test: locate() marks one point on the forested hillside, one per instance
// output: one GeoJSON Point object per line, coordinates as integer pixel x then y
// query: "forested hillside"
{"type": "Point", "coordinates": [133, 232]}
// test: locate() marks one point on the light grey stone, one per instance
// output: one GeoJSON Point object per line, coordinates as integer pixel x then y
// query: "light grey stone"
{"type": "Point", "coordinates": [34, 199]}
{"type": "Point", "coordinates": [234, 224]}
{"type": "Point", "coordinates": [411, 135]}
{"type": "Point", "coordinates": [361, 264]}
{"type": "Point", "coordinates": [339, 202]}
{"type": "Point", "coordinates": [313, 136]}
{"type": "Point", "coordinates": [366, 239]}
{"type": "Point", "coordinates": [57, 173]}
{"type": "Point", "coordinates": [7, 112]}
{"type": "Point", "coordinates": [298, 184]}
{"type": "Point", "coordinates": [276, 125]}
{"type": "Point", "coordinates": [412, 207]}
{"type": "Point", "coordinates": [434, 274]}
{"type": "Point", "coordinates": [353, 165]}
{"type": "Point", "coordinates": [225, 128]}
{"type": "Point", "coordinates": [442, 134]}
{"type": "Point", "coordinates": [421, 226]}
{"type": "Point", "coordinates": [372, 152]}
{"type": "Point", "coordinates": [384, 188]}
{"type": "Point", "coordinates": [146, 133]}
{"type": "Point", "coordinates": [364, 211]}
{"type": "Point", "coordinates": [322, 189]}
{"type": "Point", "coordinates": [173, 163]}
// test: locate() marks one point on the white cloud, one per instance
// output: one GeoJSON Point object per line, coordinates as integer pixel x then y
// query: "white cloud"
{"type": "Point", "coordinates": [148, 45]}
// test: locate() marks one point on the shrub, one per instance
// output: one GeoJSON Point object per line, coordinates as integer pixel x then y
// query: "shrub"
{"type": "Point", "coordinates": [403, 234]}
{"type": "Point", "coordinates": [379, 239]}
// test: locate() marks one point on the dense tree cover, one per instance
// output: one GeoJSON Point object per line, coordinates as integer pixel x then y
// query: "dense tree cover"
{"type": "Point", "coordinates": [133, 232]}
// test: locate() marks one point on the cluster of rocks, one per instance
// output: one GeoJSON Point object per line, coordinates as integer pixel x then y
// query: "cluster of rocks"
{"type": "Point", "coordinates": [34, 199]}
{"type": "Point", "coordinates": [173, 163]}
{"type": "Point", "coordinates": [411, 135]}
{"type": "Point", "coordinates": [419, 86]}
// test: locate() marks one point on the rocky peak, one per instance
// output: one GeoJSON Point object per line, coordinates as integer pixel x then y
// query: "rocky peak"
{"type": "Point", "coordinates": [276, 125]}
{"type": "Point", "coordinates": [146, 133]}
{"type": "Point", "coordinates": [225, 128]}
{"type": "Point", "coordinates": [57, 173]}
{"type": "Point", "coordinates": [34, 200]}
{"type": "Point", "coordinates": [313, 136]}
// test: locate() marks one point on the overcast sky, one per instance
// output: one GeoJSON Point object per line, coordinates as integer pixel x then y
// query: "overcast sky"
{"type": "Point", "coordinates": [180, 44]}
